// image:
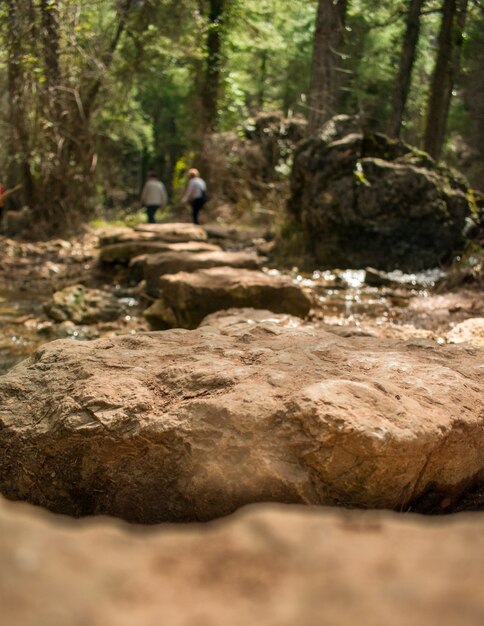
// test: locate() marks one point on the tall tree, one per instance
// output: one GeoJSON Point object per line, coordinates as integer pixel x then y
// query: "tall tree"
{"type": "Point", "coordinates": [444, 75]}
{"type": "Point", "coordinates": [407, 60]}
{"type": "Point", "coordinates": [472, 85]}
{"type": "Point", "coordinates": [214, 63]}
{"type": "Point", "coordinates": [17, 33]}
{"type": "Point", "coordinates": [51, 103]}
{"type": "Point", "coordinates": [327, 49]}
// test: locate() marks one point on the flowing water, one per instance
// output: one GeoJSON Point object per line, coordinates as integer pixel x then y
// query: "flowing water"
{"type": "Point", "coordinates": [341, 298]}
{"type": "Point", "coordinates": [24, 326]}
{"type": "Point", "coordinates": [19, 337]}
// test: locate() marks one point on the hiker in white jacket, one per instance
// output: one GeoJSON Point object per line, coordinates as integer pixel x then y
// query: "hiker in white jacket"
{"type": "Point", "coordinates": [153, 196]}
{"type": "Point", "coordinates": [196, 193]}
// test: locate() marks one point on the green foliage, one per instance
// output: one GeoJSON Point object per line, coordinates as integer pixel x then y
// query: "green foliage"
{"type": "Point", "coordinates": [268, 57]}
{"type": "Point", "coordinates": [147, 111]}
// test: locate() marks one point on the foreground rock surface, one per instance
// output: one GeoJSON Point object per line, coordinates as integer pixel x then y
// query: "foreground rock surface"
{"type": "Point", "coordinates": [267, 565]}
{"type": "Point", "coordinates": [366, 200]}
{"type": "Point", "coordinates": [186, 298]}
{"type": "Point", "coordinates": [186, 425]}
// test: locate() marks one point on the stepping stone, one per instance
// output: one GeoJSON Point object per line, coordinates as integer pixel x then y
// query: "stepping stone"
{"type": "Point", "coordinates": [190, 425]}
{"type": "Point", "coordinates": [124, 252]}
{"type": "Point", "coordinates": [173, 262]}
{"type": "Point", "coordinates": [186, 298]}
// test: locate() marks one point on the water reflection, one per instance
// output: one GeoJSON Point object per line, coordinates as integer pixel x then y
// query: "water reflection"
{"type": "Point", "coordinates": [18, 336]}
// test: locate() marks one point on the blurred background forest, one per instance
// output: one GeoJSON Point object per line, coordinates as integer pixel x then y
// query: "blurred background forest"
{"type": "Point", "coordinates": [96, 92]}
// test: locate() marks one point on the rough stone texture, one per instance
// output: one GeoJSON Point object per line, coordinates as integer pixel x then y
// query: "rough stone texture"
{"type": "Point", "coordinates": [173, 262]}
{"type": "Point", "coordinates": [124, 252]}
{"type": "Point", "coordinates": [365, 200]}
{"type": "Point", "coordinates": [184, 425]}
{"type": "Point", "coordinates": [469, 331]}
{"type": "Point", "coordinates": [81, 305]}
{"type": "Point", "coordinates": [265, 566]}
{"type": "Point", "coordinates": [186, 298]}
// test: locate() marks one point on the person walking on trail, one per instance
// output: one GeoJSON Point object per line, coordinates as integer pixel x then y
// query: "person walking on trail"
{"type": "Point", "coordinates": [153, 196]}
{"type": "Point", "coordinates": [196, 193]}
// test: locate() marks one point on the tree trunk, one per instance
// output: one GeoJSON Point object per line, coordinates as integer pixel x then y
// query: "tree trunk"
{"type": "Point", "coordinates": [328, 40]}
{"type": "Point", "coordinates": [213, 67]}
{"type": "Point", "coordinates": [261, 91]}
{"type": "Point", "coordinates": [107, 59]}
{"type": "Point", "coordinates": [407, 60]}
{"type": "Point", "coordinates": [50, 39]}
{"type": "Point", "coordinates": [445, 72]}
{"type": "Point", "coordinates": [19, 135]}
{"type": "Point", "coordinates": [54, 176]}
{"type": "Point", "coordinates": [473, 98]}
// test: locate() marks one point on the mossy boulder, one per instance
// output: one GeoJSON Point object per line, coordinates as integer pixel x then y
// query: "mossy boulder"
{"type": "Point", "coordinates": [81, 305]}
{"type": "Point", "coordinates": [364, 199]}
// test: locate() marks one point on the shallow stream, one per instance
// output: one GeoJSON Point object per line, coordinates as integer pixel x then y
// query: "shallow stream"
{"type": "Point", "coordinates": [341, 298]}
{"type": "Point", "coordinates": [19, 326]}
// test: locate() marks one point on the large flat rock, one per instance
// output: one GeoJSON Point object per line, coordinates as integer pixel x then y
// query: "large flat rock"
{"type": "Point", "coordinates": [185, 425]}
{"type": "Point", "coordinates": [124, 251]}
{"type": "Point", "coordinates": [174, 232]}
{"type": "Point", "coordinates": [120, 245]}
{"type": "Point", "coordinates": [137, 263]}
{"type": "Point", "coordinates": [265, 566]}
{"type": "Point", "coordinates": [175, 261]}
{"type": "Point", "coordinates": [169, 233]}
{"type": "Point", "coordinates": [108, 236]}
{"type": "Point", "coordinates": [186, 298]}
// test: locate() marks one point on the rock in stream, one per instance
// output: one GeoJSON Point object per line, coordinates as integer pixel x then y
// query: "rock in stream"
{"type": "Point", "coordinates": [185, 298]}
{"type": "Point", "coordinates": [190, 425]}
